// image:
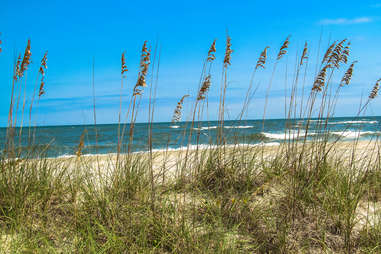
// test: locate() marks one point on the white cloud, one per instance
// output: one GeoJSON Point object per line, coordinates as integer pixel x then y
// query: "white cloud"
{"type": "Point", "coordinates": [344, 21]}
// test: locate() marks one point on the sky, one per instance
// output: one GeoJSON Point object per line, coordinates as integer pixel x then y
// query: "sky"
{"type": "Point", "coordinates": [80, 34]}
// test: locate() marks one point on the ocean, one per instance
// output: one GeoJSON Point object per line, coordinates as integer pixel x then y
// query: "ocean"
{"type": "Point", "coordinates": [57, 141]}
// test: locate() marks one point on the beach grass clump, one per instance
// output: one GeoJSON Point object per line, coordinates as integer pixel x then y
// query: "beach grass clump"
{"type": "Point", "coordinates": [29, 186]}
{"type": "Point", "coordinates": [305, 195]}
{"type": "Point", "coordinates": [369, 238]}
{"type": "Point", "coordinates": [237, 173]}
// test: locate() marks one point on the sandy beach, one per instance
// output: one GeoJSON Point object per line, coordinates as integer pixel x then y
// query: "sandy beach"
{"type": "Point", "coordinates": [170, 162]}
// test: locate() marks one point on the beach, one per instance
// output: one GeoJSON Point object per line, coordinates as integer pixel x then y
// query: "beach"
{"type": "Point", "coordinates": [170, 162]}
{"type": "Point", "coordinates": [249, 180]}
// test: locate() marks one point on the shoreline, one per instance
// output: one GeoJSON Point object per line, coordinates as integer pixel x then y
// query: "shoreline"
{"type": "Point", "coordinates": [360, 143]}
{"type": "Point", "coordinates": [169, 162]}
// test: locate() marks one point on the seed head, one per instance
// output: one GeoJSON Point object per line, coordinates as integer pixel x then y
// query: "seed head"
{"type": "Point", "coordinates": [328, 52]}
{"type": "Point", "coordinates": [26, 60]}
{"type": "Point", "coordinates": [42, 70]}
{"type": "Point", "coordinates": [17, 71]}
{"type": "Point", "coordinates": [144, 64]}
{"type": "Point", "coordinates": [41, 91]}
{"type": "Point", "coordinates": [320, 79]}
{"type": "Point", "coordinates": [336, 56]}
{"type": "Point", "coordinates": [204, 88]}
{"type": "Point", "coordinates": [124, 67]}
{"type": "Point", "coordinates": [304, 54]}
{"type": "Point", "coordinates": [228, 52]}
{"type": "Point", "coordinates": [374, 92]}
{"type": "Point", "coordinates": [212, 50]}
{"type": "Point", "coordinates": [44, 66]}
{"type": "Point", "coordinates": [262, 59]}
{"type": "Point", "coordinates": [283, 48]}
{"type": "Point", "coordinates": [81, 144]}
{"type": "Point", "coordinates": [348, 75]}
{"type": "Point", "coordinates": [177, 113]}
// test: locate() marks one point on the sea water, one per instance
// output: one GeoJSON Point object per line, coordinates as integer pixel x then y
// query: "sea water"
{"type": "Point", "coordinates": [56, 141]}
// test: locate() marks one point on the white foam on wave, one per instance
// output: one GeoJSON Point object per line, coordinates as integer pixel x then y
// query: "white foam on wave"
{"type": "Point", "coordinates": [205, 128]}
{"type": "Point", "coordinates": [287, 135]}
{"type": "Point", "coordinates": [319, 120]}
{"type": "Point", "coordinates": [174, 126]}
{"type": "Point", "coordinates": [64, 156]}
{"type": "Point", "coordinates": [353, 122]}
{"type": "Point", "coordinates": [226, 127]}
{"type": "Point", "coordinates": [239, 127]}
{"type": "Point", "coordinates": [339, 122]}
{"type": "Point", "coordinates": [354, 134]}
{"type": "Point", "coordinates": [207, 146]}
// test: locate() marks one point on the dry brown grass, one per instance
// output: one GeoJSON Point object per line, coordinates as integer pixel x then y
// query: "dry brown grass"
{"type": "Point", "coordinates": [26, 60]}
{"type": "Point", "coordinates": [346, 52]}
{"type": "Point", "coordinates": [262, 59]}
{"type": "Point", "coordinates": [228, 52]}
{"type": "Point", "coordinates": [204, 88]}
{"type": "Point", "coordinates": [42, 71]}
{"type": "Point", "coordinates": [304, 56]}
{"type": "Point", "coordinates": [123, 67]}
{"type": "Point", "coordinates": [373, 94]}
{"type": "Point", "coordinates": [336, 57]}
{"type": "Point", "coordinates": [144, 64]}
{"type": "Point", "coordinates": [177, 113]}
{"type": "Point", "coordinates": [328, 52]}
{"type": "Point", "coordinates": [81, 144]}
{"type": "Point", "coordinates": [211, 52]}
{"type": "Point", "coordinates": [320, 79]}
{"type": "Point", "coordinates": [348, 75]}
{"type": "Point", "coordinates": [283, 48]}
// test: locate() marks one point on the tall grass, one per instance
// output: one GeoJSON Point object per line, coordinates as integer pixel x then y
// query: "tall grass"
{"type": "Point", "coordinates": [306, 195]}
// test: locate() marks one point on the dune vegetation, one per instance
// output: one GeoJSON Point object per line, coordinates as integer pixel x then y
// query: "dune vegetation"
{"type": "Point", "coordinates": [316, 195]}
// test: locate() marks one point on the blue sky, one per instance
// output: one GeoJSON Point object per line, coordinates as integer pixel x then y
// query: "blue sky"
{"type": "Point", "coordinates": [75, 32]}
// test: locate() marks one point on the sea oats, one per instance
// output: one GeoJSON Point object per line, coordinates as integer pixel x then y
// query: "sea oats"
{"type": "Point", "coordinates": [320, 79]}
{"type": "Point", "coordinates": [283, 48]}
{"type": "Point", "coordinates": [42, 71]}
{"type": "Point", "coordinates": [145, 59]}
{"type": "Point", "coordinates": [262, 59]}
{"type": "Point", "coordinates": [211, 52]}
{"type": "Point", "coordinates": [144, 64]}
{"type": "Point", "coordinates": [17, 70]}
{"type": "Point", "coordinates": [228, 52]}
{"type": "Point", "coordinates": [204, 88]}
{"type": "Point", "coordinates": [304, 54]}
{"type": "Point", "coordinates": [44, 65]}
{"type": "Point", "coordinates": [123, 67]}
{"type": "Point", "coordinates": [81, 144]}
{"type": "Point", "coordinates": [177, 113]}
{"type": "Point", "coordinates": [328, 52]}
{"type": "Point", "coordinates": [41, 90]}
{"type": "Point", "coordinates": [348, 75]}
{"type": "Point", "coordinates": [336, 56]}
{"type": "Point", "coordinates": [26, 60]}
{"type": "Point", "coordinates": [346, 52]}
{"type": "Point", "coordinates": [374, 92]}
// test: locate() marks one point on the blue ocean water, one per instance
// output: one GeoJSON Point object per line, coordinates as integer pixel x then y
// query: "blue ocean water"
{"type": "Point", "coordinates": [55, 141]}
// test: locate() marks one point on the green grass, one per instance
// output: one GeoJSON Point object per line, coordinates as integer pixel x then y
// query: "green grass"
{"type": "Point", "coordinates": [301, 197]}
{"type": "Point", "coordinates": [237, 206]}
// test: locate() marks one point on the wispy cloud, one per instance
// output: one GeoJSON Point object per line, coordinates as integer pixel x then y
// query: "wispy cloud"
{"type": "Point", "coordinates": [345, 21]}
